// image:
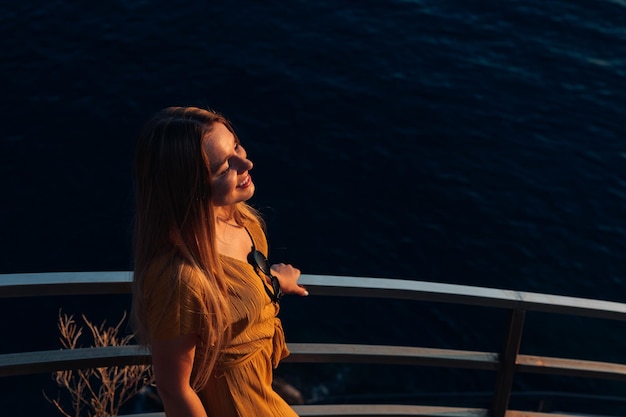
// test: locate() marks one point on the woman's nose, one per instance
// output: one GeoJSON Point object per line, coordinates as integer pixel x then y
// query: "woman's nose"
{"type": "Point", "coordinates": [243, 164]}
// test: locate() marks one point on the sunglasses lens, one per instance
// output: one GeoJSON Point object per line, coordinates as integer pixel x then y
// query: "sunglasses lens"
{"type": "Point", "coordinates": [276, 286]}
{"type": "Point", "coordinates": [261, 262]}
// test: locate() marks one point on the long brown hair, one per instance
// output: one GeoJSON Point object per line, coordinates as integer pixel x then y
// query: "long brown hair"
{"type": "Point", "coordinates": [175, 220]}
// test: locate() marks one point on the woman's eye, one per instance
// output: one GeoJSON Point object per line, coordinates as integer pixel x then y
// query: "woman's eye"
{"type": "Point", "coordinates": [224, 170]}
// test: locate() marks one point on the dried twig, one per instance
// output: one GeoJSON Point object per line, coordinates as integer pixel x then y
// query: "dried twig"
{"type": "Point", "coordinates": [98, 392]}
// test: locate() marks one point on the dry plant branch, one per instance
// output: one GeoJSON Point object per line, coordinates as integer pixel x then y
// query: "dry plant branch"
{"type": "Point", "coordinates": [97, 392]}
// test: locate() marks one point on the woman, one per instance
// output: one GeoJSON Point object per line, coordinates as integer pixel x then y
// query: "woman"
{"type": "Point", "coordinates": [204, 300]}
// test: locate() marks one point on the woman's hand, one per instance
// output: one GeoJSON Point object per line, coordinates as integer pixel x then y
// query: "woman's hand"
{"type": "Point", "coordinates": [288, 277]}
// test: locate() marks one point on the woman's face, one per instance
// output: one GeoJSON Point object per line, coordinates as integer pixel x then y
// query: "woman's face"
{"type": "Point", "coordinates": [229, 166]}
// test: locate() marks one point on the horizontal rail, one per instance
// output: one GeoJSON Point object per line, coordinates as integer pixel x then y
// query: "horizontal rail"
{"type": "Point", "coordinates": [65, 283]}
{"type": "Point", "coordinates": [357, 410]}
{"type": "Point", "coordinates": [84, 283]}
{"type": "Point", "coordinates": [390, 355]}
{"type": "Point", "coordinates": [570, 367]}
{"type": "Point", "coordinates": [13, 364]}
{"type": "Point", "coordinates": [26, 363]}
{"type": "Point", "coordinates": [515, 413]}
{"type": "Point", "coordinates": [368, 410]}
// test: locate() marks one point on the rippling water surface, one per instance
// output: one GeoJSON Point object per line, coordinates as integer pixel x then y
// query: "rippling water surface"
{"type": "Point", "coordinates": [479, 143]}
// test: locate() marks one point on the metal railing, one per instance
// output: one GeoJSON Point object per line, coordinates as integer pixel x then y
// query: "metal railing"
{"type": "Point", "coordinates": [505, 363]}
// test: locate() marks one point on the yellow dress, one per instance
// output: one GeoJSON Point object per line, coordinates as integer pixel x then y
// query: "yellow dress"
{"type": "Point", "coordinates": [241, 383]}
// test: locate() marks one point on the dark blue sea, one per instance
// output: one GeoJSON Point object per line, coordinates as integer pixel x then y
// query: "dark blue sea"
{"type": "Point", "coordinates": [469, 142]}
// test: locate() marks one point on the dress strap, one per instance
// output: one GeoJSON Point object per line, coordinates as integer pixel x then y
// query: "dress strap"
{"type": "Point", "coordinates": [251, 238]}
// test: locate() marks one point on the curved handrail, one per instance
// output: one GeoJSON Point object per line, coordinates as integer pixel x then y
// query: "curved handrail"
{"type": "Point", "coordinates": [505, 363]}
{"type": "Point", "coordinates": [119, 282]}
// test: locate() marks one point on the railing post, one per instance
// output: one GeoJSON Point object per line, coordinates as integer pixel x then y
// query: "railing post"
{"type": "Point", "coordinates": [504, 379]}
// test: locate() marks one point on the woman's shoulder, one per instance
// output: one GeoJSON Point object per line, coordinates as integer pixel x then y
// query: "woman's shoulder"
{"type": "Point", "coordinates": [172, 269]}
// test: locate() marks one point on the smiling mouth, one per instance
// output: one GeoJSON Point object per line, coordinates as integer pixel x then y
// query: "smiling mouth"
{"type": "Point", "coordinates": [245, 182]}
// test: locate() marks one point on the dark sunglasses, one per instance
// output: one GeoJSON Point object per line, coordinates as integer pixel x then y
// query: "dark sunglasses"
{"type": "Point", "coordinates": [259, 261]}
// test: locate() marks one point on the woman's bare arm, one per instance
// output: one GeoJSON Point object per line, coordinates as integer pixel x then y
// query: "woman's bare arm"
{"type": "Point", "coordinates": [172, 361]}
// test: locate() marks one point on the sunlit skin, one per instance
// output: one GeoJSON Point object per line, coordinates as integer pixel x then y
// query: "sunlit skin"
{"type": "Point", "coordinates": [229, 165]}
{"type": "Point", "coordinates": [231, 183]}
